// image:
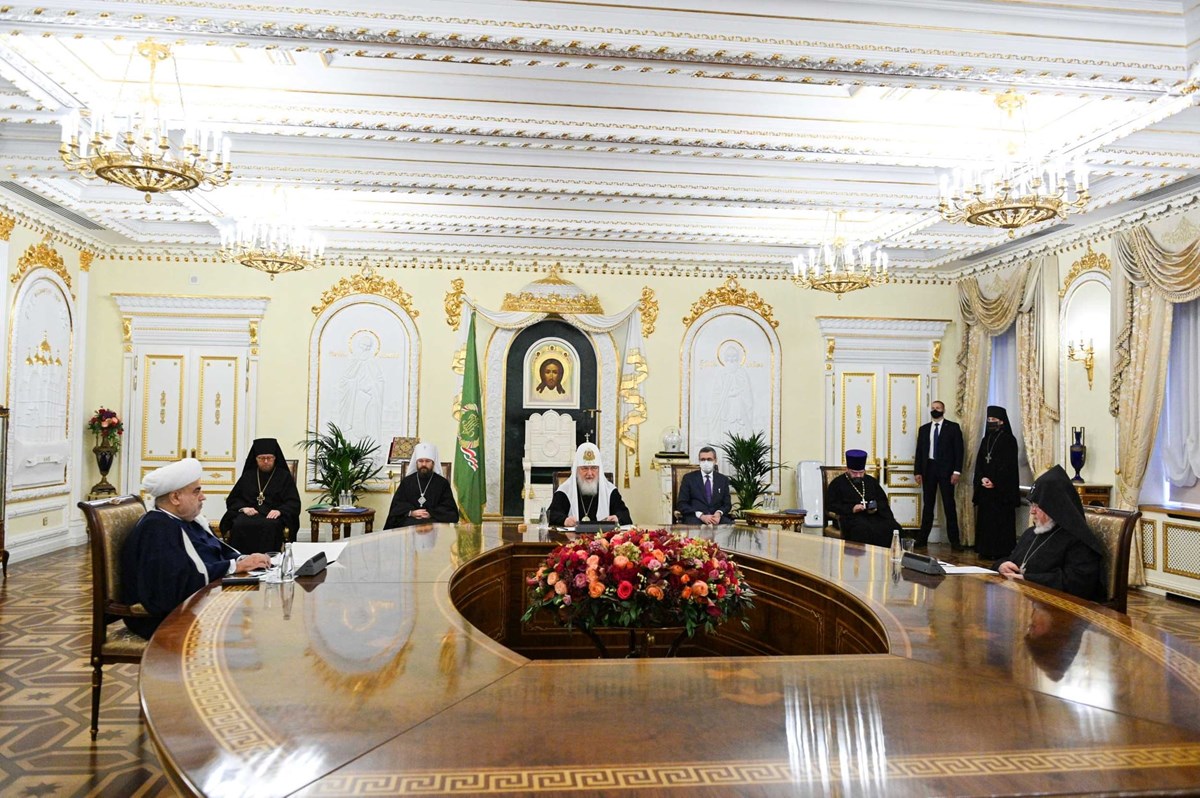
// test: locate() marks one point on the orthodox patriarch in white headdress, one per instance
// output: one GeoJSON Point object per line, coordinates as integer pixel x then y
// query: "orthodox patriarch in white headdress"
{"type": "Point", "coordinates": [588, 496]}
{"type": "Point", "coordinates": [424, 496]}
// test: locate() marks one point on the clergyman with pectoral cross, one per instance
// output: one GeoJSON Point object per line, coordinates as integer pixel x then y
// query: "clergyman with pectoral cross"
{"type": "Point", "coordinates": [997, 488]}
{"type": "Point", "coordinates": [263, 503]}
{"type": "Point", "coordinates": [424, 496]}
{"type": "Point", "coordinates": [587, 496]}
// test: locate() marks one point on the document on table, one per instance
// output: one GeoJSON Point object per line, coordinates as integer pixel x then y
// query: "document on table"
{"type": "Point", "coordinates": [303, 552]}
{"type": "Point", "coordinates": [950, 568]}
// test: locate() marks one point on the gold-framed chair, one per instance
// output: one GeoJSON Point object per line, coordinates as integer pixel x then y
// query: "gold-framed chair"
{"type": "Point", "coordinates": [678, 472]}
{"type": "Point", "coordinates": [109, 522]}
{"type": "Point", "coordinates": [1114, 528]}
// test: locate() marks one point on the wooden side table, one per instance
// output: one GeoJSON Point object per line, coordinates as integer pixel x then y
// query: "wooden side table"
{"type": "Point", "coordinates": [764, 519]}
{"type": "Point", "coordinates": [335, 518]}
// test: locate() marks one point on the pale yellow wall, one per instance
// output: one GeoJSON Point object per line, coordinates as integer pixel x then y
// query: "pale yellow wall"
{"type": "Point", "coordinates": [288, 324]}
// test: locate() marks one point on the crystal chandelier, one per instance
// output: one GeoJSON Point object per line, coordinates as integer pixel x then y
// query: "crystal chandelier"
{"type": "Point", "coordinates": [1014, 192]}
{"type": "Point", "coordinates": [271, 247]}
{"type": "Point", "coordinates": [839, 267]}
{"type": "Point", "coordinates": [132, 146]}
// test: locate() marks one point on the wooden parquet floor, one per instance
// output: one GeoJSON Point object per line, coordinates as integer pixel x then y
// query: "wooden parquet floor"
{"type": "Point", "coordinates": [45, 686]}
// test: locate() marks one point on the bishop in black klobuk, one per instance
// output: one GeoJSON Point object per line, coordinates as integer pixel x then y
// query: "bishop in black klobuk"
{"type": "Point", "coordinates": [587, 496]}
{"type": "Point", "coordinates": [264, 501]}
{"type": "Point", "coordinates": [424, 496]}
{"type": "Point", "coordinates": [997, 489]}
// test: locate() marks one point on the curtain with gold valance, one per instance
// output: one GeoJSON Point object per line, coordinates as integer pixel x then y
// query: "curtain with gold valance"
{"type": "Point", "coordinates": [1150, 280]}
{"type": "Point", "coordinates": [986, 313]}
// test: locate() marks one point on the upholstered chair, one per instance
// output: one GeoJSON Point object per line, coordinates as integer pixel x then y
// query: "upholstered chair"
{"type": "Point", "coordinates": [1115, 530]}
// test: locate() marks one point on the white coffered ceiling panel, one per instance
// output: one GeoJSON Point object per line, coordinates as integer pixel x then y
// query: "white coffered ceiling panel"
{"type": "Point", "coordinates": [687, 133]}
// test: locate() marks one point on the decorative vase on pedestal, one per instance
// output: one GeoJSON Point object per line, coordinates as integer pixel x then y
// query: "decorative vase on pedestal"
{"type": "Point", "coordinates": [104, 461]}
{"type": "Point", "coordinates": [1078, 453]}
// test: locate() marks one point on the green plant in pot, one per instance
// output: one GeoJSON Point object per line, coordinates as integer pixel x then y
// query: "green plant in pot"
{"type": "Point", "coordinates": [339, 464]}
{"type": "Point", "coordinates": [751, 463]}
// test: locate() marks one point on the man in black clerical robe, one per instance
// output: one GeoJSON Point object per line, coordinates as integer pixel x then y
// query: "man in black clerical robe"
{"type": "Point", "coordinates": [263, 503]}
{"type": "Point", "coordinates": [171, 553]}
{"type": "Point", "coordinates": [587, 497]}
{"type": "Point", "coordinates": [864, 515]}
{"type": "Point", "coordinates": [1059, 550]}
{"type": "Point", "coordinates": [997, 489]}
{"type": "Point", "coordinates": [424, 496]}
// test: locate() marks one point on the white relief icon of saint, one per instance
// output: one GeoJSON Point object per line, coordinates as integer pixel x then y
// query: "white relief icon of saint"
{"type": "Point", "coordinates": [732, 408]}
{"type": "Point", "coordinates": [360, 390]}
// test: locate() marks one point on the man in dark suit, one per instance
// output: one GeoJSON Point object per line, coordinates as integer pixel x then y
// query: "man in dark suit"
{"type": "Point", "coordinates": [938, 465]}
{"type": "Point", "coordinates": [704, 494]}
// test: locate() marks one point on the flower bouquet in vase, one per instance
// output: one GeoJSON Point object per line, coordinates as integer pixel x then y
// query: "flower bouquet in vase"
{"type": "Point", "coordinates": [106, 425]}
{"type": "Point", "coordinates": [640, 580]}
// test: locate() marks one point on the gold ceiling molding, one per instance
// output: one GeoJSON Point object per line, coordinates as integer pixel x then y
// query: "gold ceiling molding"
{"type": "Point", "coordinates": [362, 284]}
{"type": "Point", "coordinates": [648, 307]}
{"type": "Point", "coordinates": [552, 294]}
{"type": "Point", "coordinates": [42, 255]}
{"type": "Point", "coordinates": [7, 223]}
{"type": "Point", "coordinates": [731, 294]}
{"type": "Point", "coordinates": [454, 303]}
{"type": "Point", "coordinates": [86, 257]}
{"type": "Point", "coordinates": [1091, 261]}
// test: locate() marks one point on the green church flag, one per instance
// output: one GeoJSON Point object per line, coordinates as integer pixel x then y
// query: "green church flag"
{"type": "Point", "coordinates": [468, 453]}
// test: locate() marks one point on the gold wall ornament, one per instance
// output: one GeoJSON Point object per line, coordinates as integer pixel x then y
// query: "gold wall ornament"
{"type": "Point", "coordinates": [85, 260]}
{"type": "Point", "coordinates": [830, 346]}
{"type": "Point", "coordinates": [42, 255]}
{"type": "Point", "coordinates": [730, 293]}
{"type": "Point", "coordinates": [454, 303]}
{"type": "Point", "coordinates": [648, 307]}
{"type": "Point", "coordinates": [1090, 262]}
{"type": "Point", "coordinates": [358, 284]}
{"type": "Point", "coordinates": [552, 294]}
{"type": "Point", "coordinates": [7, 223]}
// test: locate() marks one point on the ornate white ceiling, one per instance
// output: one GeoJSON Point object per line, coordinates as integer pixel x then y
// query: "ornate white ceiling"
{"type": "Point", "coordinates": [688, 133]}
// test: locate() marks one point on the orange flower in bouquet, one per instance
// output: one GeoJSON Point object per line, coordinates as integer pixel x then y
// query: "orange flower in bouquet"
{"type": "Point", "coordinates": [640, 578]}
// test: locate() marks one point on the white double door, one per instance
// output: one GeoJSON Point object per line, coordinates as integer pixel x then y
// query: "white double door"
{"type": "Point", "coordinates": [881, 375]}
{"type": "Point", "coordinates": [191, 402]}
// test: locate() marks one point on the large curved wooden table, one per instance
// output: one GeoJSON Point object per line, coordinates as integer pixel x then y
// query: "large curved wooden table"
{"type": "Point", "coordinates": [372, 681]}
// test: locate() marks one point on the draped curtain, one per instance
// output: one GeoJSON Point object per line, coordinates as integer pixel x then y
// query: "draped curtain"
{"type": "Point", "coordinates": [1149, 281]}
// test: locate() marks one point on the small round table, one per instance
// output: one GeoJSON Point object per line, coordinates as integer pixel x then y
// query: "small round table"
{"type": "Point", "coordinates": [765, 519]}
{"type": "Point", "coordinates": [335, 518]}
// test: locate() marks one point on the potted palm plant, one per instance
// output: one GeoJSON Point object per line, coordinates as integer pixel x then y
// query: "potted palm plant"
{"type": "Point", "coordinates": [340, 465]}
{"type": "Point", "coordinates": [750, 460]}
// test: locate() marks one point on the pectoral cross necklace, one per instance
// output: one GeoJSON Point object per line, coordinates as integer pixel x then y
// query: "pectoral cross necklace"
{"type": "Point", "coordinates": [262, 487]}
{"type": "Point", "coordinates": [587, 511]}
{"type": "Point", "coordinates": [988, 456]}
{"type": "Point", "coordinates": [421, 499]}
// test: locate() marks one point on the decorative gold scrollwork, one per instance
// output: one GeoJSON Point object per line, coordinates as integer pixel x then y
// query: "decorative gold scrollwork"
{"type": "Point", "coordinates": [731, 294]}
{"type": "Point", "coordinates": [42, 255]}
{"type": "Point", "coordinates": [360, 284]}
{"type": "Point", "coordinates": [454, 303]}
{"type": "Point", "coordinates": [648, 307]}
{"type": "Point", "coordinates": [1091, 261]}
{"type": "Point", "coordinates": [217, 411]}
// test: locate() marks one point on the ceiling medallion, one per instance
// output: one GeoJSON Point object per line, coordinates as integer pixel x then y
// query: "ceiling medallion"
{"type": "Point", "coordinates": [839, 267]}
{"type": "Point", "coordinates": [552, 294]}
{"type": "Point", "coordinates": [1013, 192]}
{"type": "Point", "coordinates": [131, 145]}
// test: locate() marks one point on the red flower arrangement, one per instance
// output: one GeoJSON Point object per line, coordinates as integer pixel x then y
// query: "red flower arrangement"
{"type": "Point", "coordinates": [640, 578]}
{"type": "Point", "coordinates": [107, 427]}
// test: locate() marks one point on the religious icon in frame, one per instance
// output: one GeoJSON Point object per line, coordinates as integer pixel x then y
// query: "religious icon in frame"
{"type": "Point", "coordinates": [551, 375]}
{"type": "Point", "coordinates": [401, 450]}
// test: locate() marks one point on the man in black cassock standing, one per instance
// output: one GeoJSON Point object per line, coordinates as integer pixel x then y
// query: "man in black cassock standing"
{"type": "Point", "coordinates": [1059, 550]}
{"type": "Point", "coordinates": [263, 503]}
{"type": "Point", "coordinates": [997, 489]}
{"type": "Point", "coordinates": [424, 496]}
{"type": "Point", "coordinates": [939, 460]}
{"type": "Point", "coordinates": [861, 504]}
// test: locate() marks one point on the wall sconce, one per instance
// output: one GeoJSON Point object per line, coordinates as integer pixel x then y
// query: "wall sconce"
{"type": "Point", "coordinates": [1085, 355]}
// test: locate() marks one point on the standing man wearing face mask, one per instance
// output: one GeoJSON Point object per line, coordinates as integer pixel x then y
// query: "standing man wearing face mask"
{"type": "Point", "coordinates": [704, 494]}
{"type": "Point", "coordinates": [939, 462]}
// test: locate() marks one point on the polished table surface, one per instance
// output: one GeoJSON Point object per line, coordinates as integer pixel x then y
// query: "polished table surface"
{"type": "Point", "coordinates": [370, 681]}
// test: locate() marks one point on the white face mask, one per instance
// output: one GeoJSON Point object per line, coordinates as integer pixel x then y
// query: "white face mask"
{"type": "Point", "coordinates": [707, 466]}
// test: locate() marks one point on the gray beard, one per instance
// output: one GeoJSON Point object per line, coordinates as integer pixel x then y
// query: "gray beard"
{"type": "Point", "coordinates": [1041, 529]}
{"type": "Point", "coordinates": [589, 488]}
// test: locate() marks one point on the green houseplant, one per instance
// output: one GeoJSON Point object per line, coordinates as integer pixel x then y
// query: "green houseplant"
{"type": "Point", "coordinates": [339, 464]}
{"type": "Point", "coordinates": [750, 459]}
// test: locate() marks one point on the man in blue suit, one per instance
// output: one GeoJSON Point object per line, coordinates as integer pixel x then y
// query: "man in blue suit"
{"type": "Point", "coordinates": [704, 494]}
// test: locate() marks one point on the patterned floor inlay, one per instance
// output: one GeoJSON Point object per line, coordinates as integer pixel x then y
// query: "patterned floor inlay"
{"type": "Point", "coordinates": [45, 687]}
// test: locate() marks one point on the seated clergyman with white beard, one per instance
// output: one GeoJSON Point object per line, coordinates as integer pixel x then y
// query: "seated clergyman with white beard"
{"type": "Point", "coordinates": [587, 497]}
{"type": "Point", "coordinates": [1059, 550]}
